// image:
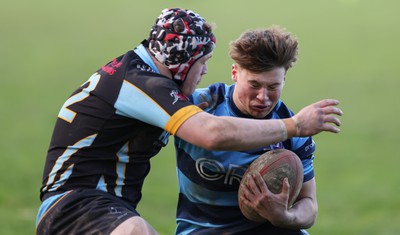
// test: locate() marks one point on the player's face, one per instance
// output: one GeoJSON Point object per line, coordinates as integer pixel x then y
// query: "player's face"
{"type": "Point", "coordinates": [196, 72]}
{"type": "Point", "coordinates": [256, 94]}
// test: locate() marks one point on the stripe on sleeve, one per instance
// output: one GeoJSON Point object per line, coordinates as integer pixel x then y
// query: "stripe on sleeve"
{"type": "Point", "coordinates": [180, 117]}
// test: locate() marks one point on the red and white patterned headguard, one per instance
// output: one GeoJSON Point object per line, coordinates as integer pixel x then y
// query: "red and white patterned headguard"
{"type": "Point", "coordinates": [178, 39]}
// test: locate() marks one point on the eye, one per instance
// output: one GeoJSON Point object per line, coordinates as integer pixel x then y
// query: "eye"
{"type": "Point", "coordinates": [274, 87]}
{"type": "Point", "coordinates": [254, 85]}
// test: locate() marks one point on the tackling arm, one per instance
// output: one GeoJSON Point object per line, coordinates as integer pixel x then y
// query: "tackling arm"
{"type": "Point", "coordinates": [230, 133]}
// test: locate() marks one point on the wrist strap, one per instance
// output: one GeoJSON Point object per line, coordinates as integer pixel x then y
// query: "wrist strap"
{"type": "Point", "coordinates": [291, 127]}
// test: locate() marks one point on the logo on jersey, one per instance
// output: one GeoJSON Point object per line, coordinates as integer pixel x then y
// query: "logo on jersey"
{"type": "Point", "coordinates": [213, 170]}
{"type": "Point", "coordinates": [144, 67]}
{"type": "Point", "coordinates": [177, 96]}
{"type": "Point", "coordinates": [273, 146]}
{"type": "Point", "coordinates": [110, 68]}
{"type": "Point", "coordinates": [264, 149]}
{"type": "Point", "coordinates": [310, 147]}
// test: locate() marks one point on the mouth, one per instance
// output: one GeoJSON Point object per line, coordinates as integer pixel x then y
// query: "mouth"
{"type": "Point", "coordinates": [261, 108]}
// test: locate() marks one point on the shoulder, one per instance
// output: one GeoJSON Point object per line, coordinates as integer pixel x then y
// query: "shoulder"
{"type": "Point", "coordinates": [125, 64]}
{"type": "Point", "coordinates": [140, 74]}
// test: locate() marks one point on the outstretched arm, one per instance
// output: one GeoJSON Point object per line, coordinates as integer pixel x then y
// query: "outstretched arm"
{"type": "Point", "coordinates": [230, 133]}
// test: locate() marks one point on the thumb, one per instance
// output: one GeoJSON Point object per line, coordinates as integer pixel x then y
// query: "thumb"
{"type": "Point", "coordinates": [285, 186]}
{"type": "Point", "coordinates": [203, 105]}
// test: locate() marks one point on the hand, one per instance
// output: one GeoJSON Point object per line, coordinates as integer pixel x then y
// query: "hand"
{"type": "Point", "coordinates": [318, 117]}
{"type": "Point", "coordinates": [208, 101]}
{"type": "Point", "coordinates": [203, 105]}
{"type": "Point", "coordinates": [272, 207]}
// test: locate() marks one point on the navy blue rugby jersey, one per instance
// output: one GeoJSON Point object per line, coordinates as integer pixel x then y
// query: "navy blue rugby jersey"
{"type": "Point", "coordinates": [110, 127]}
{"type": "Point", "coordinates": [209, 180]}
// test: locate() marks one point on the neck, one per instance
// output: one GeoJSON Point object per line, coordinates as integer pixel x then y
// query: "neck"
{"type": "Point", "coordinates": [161, 67]}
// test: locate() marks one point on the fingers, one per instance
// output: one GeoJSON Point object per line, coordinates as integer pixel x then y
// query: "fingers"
{"type": "Point", "coordinates": [327, 102]}
{"type": "Point", "coordinates": [328, 118]}
{"type": "Point", "coordinates": [320, 116]}
{"type": "Point", "coordinates": [254, 182]}
{"type": "Point", "coordinates": [332, 119]}
{"type": "Point", "coordinates": [332, 110]}
{"type": "Point", "coordinates": [255, 185]}
{"type": "Point", "coordinates": [328, 106]}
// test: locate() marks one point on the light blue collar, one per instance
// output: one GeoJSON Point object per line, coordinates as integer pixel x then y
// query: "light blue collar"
{"type": "Point", "coordinates": [144, 55]}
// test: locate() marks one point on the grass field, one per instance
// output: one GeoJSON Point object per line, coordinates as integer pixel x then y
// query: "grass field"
{"type": "Point", "coordinates": [349, 50]}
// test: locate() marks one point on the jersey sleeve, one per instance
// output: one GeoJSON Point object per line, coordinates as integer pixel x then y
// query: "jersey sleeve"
{"type": "Point", "coordinates": [304, 147]}
{"type": "Point", "coordinates": [154, 99]}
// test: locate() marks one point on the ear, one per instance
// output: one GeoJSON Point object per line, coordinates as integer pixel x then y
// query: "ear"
{"type": "Point", "coordinates": [234, 72]}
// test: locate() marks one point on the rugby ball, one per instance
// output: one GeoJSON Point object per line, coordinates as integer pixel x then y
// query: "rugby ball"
{"type": "Point", "coordinates": [274, 166]}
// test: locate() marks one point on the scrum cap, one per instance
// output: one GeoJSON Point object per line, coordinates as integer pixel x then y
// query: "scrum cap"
{"type": "Point", "coordinates": [179, 38]}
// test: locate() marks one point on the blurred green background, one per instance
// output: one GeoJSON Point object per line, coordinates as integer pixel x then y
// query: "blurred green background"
{"type": "Point", "coordinates": [349, 50]}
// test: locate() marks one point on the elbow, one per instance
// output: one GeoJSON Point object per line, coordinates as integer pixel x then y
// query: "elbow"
{"type": "Point", "coordinates": [313, 218]}
{"type": "Point", "coordinates": [310, 223]}
{"type": "Point", "coordinates": [303, 217]}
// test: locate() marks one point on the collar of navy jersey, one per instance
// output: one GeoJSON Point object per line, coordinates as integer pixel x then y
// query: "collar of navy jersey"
{"type": "Point", "coordinates": [144, 55]}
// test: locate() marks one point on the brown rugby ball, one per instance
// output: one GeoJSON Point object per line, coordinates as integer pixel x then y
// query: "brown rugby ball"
{"type": "Point", "coordinates": [274, 166]}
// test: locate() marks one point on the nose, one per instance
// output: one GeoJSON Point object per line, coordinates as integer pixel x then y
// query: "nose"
{"type": "Point", "coordinates": [205, 70]}
{"type": "Point", "coordinates": [262, 94]}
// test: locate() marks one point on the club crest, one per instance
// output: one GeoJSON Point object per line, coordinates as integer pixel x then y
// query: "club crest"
{"type": "Point", "coordinates": [177, 96]}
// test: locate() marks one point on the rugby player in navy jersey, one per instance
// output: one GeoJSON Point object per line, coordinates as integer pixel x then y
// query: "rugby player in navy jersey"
{"type": "Point", "coordinates": [209, 180]}
{"type": "Point", "coordinates": [109, 128]}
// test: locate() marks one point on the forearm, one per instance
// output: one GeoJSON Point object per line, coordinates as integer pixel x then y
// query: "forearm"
{"type": "Point", "coordinates": [239, 134]}
{"type": "Point", "coordinates": [302, 215]}
{"type": "Point", "coordinates": [229, 133]}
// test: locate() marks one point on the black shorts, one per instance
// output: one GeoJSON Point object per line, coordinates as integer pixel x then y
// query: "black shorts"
{"type": "Point", "coordinates": [267, 228]}
{"type": "Point", "coordinates": [263, 229]}
{"type": "Point", "coordinates": [85, 211]}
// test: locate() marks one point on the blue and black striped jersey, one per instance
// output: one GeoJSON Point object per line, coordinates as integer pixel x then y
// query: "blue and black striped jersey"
{"type": "Point", "coordinates": [209, 180]}
{"type": "Point", "coordinates": [110, 127]}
